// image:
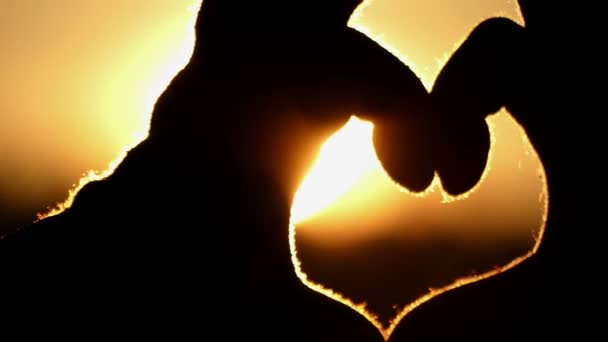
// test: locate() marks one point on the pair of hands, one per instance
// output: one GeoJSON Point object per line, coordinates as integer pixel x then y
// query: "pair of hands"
{"type": "Point", "coordinates": [452, 138]}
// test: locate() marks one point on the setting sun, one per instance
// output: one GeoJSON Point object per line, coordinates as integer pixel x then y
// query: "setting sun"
{"type": "Point", "coordinates": [346, 157]}
{"type": "Point", "coordinates": [347, 208]}
{"type": "Point", "coordinates": [84, 80]}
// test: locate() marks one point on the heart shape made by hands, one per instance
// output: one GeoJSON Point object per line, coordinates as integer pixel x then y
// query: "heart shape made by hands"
{"type": "Point", "coordinates": [359, 238]}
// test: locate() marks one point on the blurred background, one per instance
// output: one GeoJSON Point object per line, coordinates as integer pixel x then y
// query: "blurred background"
{"type": "Point", "coordinates": [80, 79]}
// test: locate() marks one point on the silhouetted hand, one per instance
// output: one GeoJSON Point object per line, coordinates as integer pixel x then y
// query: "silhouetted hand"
{"type": "Point", "coordinates": [530, 72]}
{"type": "Point", "coordinates": [488, 72]}
{"type": "Point", "coordinates": [450, 136]}
{"type": "Point", "coordinates": [501, 64]}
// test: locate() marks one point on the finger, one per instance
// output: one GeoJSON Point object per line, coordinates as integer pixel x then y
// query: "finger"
{"type": "Point", "coordinates": [462, 157]}
{"type": "Point", "coordinates": [482, 74]}
{"type": "Point", "coordinates": [404, 150]}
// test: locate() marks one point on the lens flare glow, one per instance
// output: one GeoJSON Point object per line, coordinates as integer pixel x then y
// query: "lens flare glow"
{"type": "Point", "coordinates": [344, 158]}
{"type": "Point", "coordinates": [413, 35]}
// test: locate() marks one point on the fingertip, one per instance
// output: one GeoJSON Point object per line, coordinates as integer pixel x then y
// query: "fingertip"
{"type": "Point", "coordinates": [405, 155]}
{"type": "Point", "coordinates": [463, 157]}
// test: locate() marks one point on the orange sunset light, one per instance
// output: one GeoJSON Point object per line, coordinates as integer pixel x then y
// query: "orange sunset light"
{"type": "Point", "coordinates": [347, 180]}
{"type": "Point", "coordinates": [347, 200]}
{"type": "Point", "coordinates": [85, 77]}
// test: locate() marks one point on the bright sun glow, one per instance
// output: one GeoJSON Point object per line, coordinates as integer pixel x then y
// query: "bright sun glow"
{"type": "Point", "coordinates": [346, 157]}
{"type": "Point", "coordinates": [154, 79]}
{"type": "Point", "coordinates": [343, 161]}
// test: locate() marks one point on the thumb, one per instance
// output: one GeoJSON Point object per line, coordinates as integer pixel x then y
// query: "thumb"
{"type": "Point", "coordinates": [461, 154]}
{"type": "Point", "coordinates": [404, 149]}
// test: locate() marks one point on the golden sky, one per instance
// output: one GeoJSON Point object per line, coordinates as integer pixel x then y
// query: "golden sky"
{"type": "Point", "coordinates": [80, 78]}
